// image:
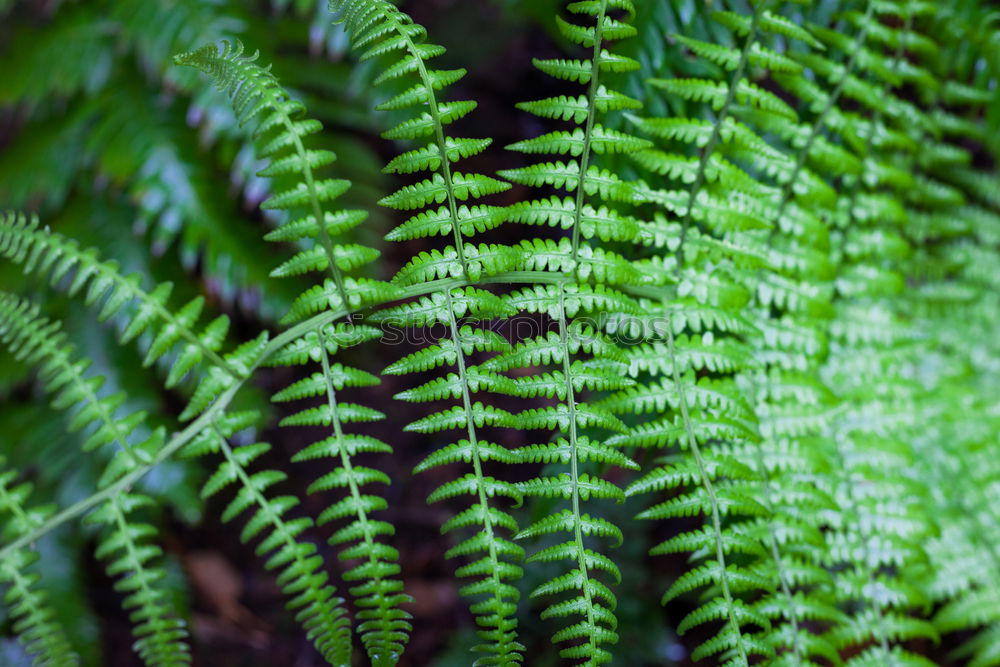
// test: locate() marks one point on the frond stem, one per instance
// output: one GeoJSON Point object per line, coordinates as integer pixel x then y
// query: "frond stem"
{"type": "Point", "coordinates": [706, 481]}
{"type": "Point", "coordinates": [477, 465]}
{"type": "Point", "coordinates": [317, 211]}
{"type": "Point", "coordinates": [136, 565]}
{"type": "Point", "coordinates": [595, 74]}
{"type": "Point", "coordinates": [60, 356]}
{"type": "Point", "coordinates": [820, 120]}
{"type": "Point", "coordinates": [721, 117]}
{"type": "Point", "coordinates": [439, 138]}
{"type": "Point", "coordinates": [347, 464]}
{"type": "Point", "coordinates": [581, 553]}
{"type": "Point", "coordinates": [88, 503]}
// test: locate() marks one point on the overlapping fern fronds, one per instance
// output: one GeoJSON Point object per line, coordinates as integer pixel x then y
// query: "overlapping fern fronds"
{"type": "Point", "coordinates": [444, 205]}
{"type": "Point", "coordinates": [160, 632]}
{"type": "Point", "coordinates": [259, 99]}
{"type": "Point", "coordinates": [723, 215]}
{"type": "Point", "coordinates": [300, 568]}
{"type": "Point", "coordinates": [96, 86]}
{"type": "Point", "coordinates": [774, 263]}
{"type": "Point", "coordinates": [302, 577]}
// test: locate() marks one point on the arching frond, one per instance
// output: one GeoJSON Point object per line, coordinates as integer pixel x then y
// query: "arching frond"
{"type": "Point", "coordinates": [281, 132]}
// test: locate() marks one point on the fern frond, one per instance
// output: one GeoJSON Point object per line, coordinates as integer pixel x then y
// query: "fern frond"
{"type": "Point", "coordinates": [258, 99]}
{"type": "Point", "coordinates": [724, 204]}
{"type": "Point", "coordinates": [34, 620]}
{"type": "Point", "coordinates": [159, 635]}
{"type": "Point", "coordinates": [494, 568]}
{"type": "Point", "coordinates": [383, 31]}
{"type": "Point", "coordinates": [159, 632]}
{"type": "Point", "coordinates": [39, 250]}
{"type": "Point", "coordinates": [296, 560]}
{"type": "Point", "coordinates": [590, 271]}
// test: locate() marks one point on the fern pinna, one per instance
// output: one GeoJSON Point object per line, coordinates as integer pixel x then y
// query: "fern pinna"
{"type": "Point", "coordinates": [752, 264]}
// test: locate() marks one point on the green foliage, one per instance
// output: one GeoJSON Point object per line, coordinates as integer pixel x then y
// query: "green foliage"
{"type": "Point", "coordinates": [258, 98]}
{"type": "Point", "coordinates": [765, 248]}
{"type": "Point", "coordinates": [159, 633]}
{"type": "Point", "coordinates": [301, 572]}
{"type": "Point", "coordinates": [34, 620]}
